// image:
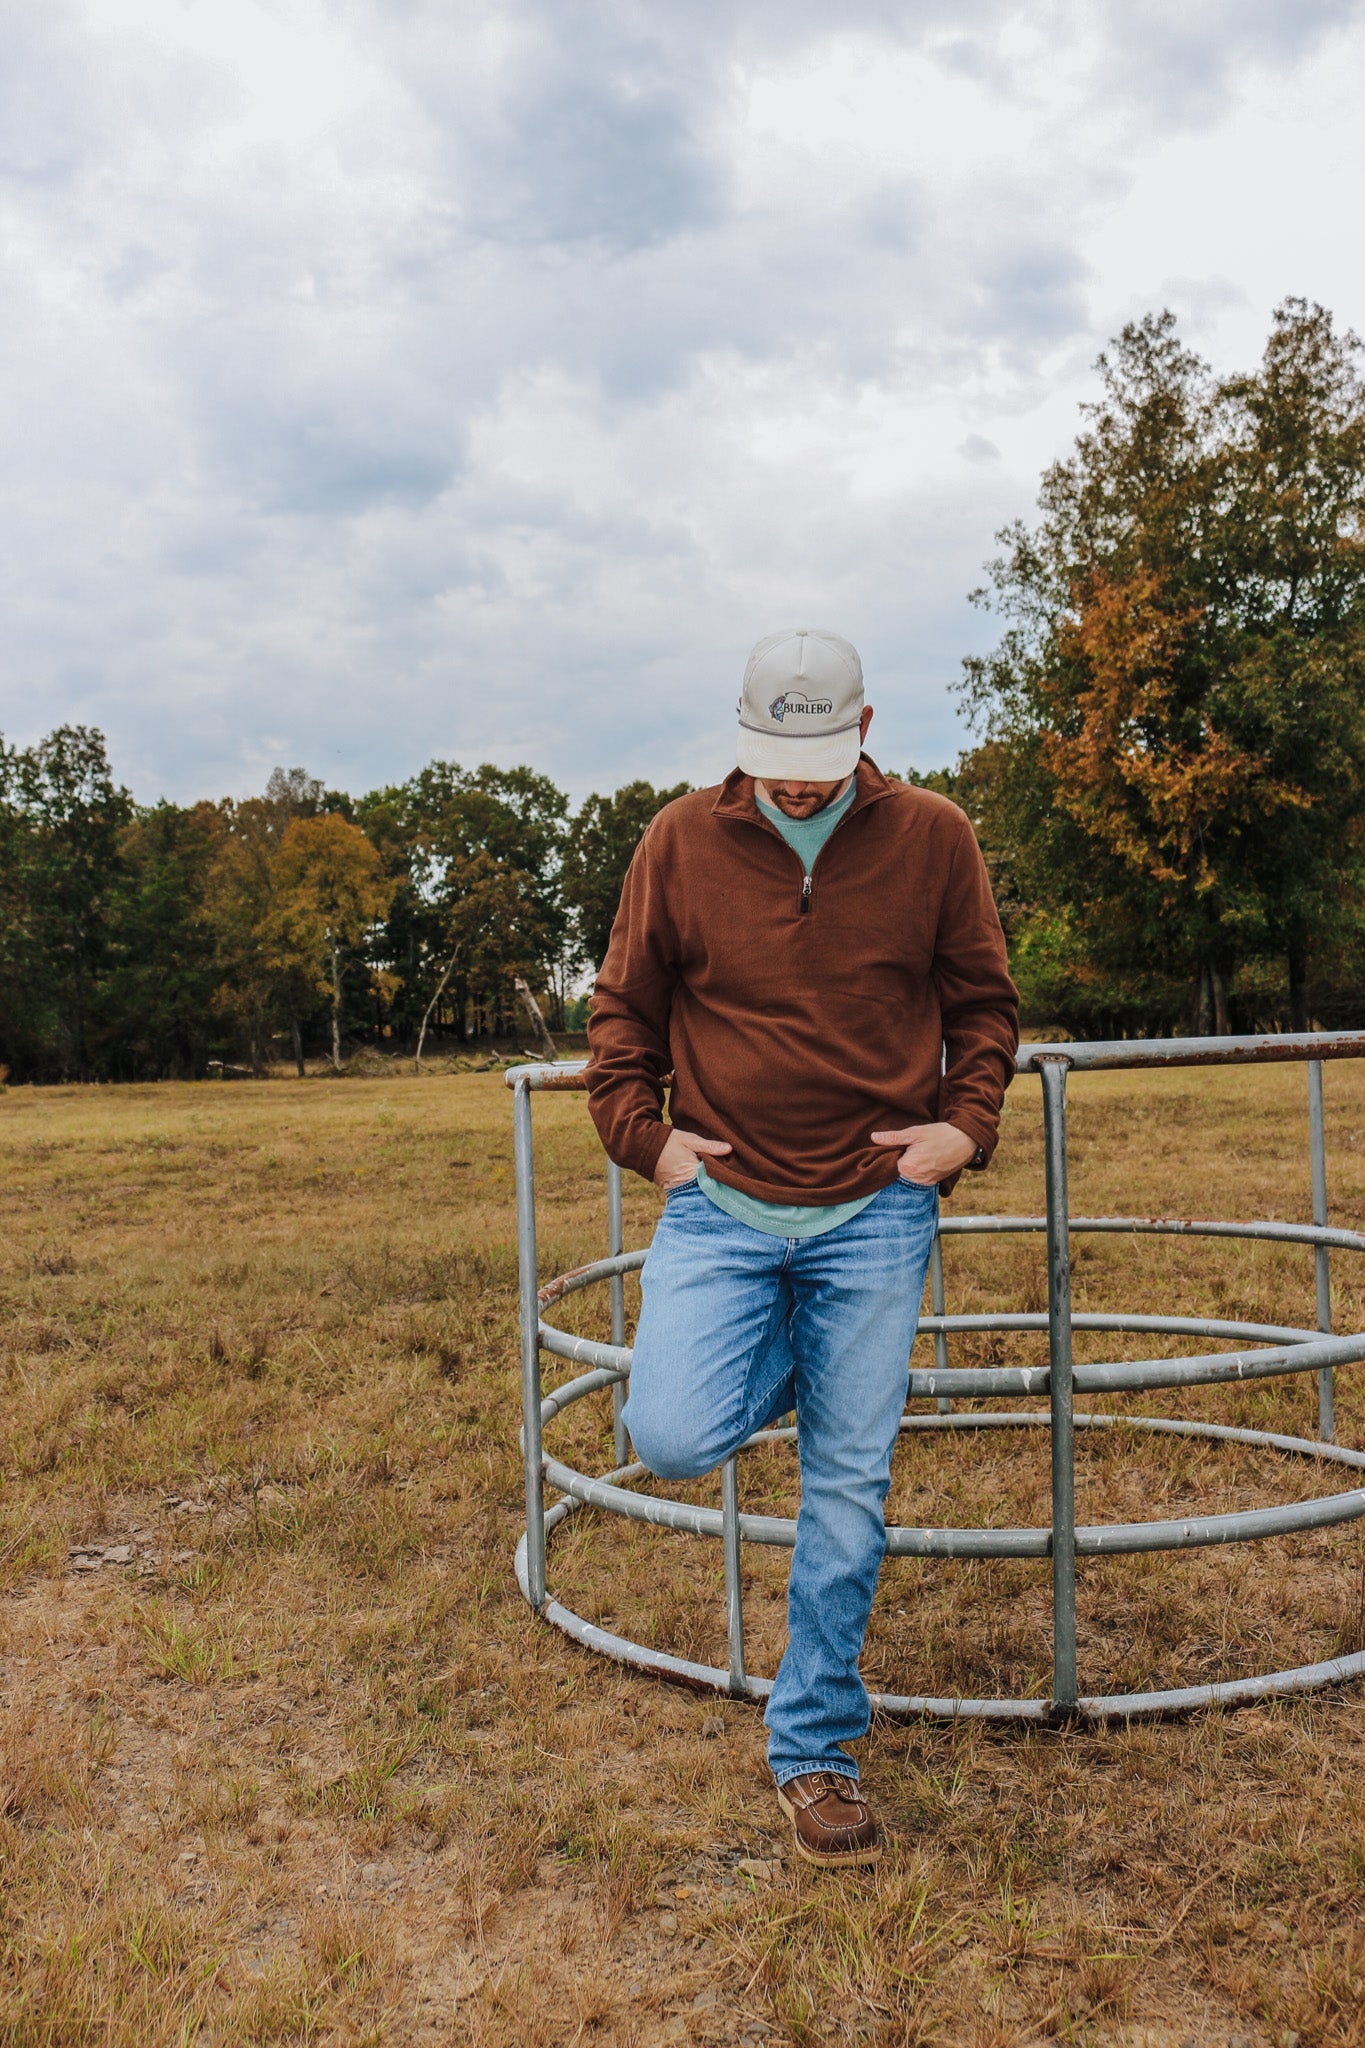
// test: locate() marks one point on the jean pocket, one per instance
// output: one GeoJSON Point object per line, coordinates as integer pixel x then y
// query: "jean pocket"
{"type": "Point", "coordinates": [920, 1187]}
{"type": "Point", "coordinates": [680, 1188]}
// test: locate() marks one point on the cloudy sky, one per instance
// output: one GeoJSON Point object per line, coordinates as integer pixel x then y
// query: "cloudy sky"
{"type": "Point", "coordinates": [389, 378]}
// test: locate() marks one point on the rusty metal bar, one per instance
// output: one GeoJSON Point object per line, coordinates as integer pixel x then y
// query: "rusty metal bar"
{"type": "Point", "coordinates": [1197, 1052]}
{"type": "Point", "coordinates": [1271, 1048]}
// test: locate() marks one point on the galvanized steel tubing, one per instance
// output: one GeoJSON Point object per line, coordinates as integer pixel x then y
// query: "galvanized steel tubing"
{"type": "Point", "coordinates": [522, 1145]}
{"type": "Point", "coordinates": [1317, 1142]}
{"type": "Point", "coordinates": [734, 1588]}
{"type": "Point", "coordinates": [1060, 1388]}
{"type": "Point", "coordinates": [1278, 1349]}
{"type": "Point", "coordinates": [616, 1245]}
{"type": "Point", "coordinates": [939, 1304]}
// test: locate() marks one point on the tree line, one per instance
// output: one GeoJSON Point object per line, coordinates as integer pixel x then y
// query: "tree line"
{"type": "Point", "coordinates": [142, 941]}
{"type": "Point", "coordinates": [1167, 786]}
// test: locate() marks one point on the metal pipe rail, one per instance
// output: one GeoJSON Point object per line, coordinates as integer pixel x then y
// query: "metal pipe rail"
{"type": "Point", "coordinates": [1265, 1350]}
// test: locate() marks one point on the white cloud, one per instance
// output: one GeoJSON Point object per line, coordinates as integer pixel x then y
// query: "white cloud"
{"type": "Point", "coordinates": [390, 379]}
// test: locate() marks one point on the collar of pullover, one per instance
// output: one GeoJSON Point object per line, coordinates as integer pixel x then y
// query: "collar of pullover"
{"type": "Point", "coordinates": [736, 799]}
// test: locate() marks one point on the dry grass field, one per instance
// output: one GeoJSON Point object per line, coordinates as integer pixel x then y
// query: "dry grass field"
{"type": "Point", "coordinates": [284, 1757]}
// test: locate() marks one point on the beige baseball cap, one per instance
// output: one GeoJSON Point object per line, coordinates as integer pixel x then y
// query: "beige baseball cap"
{"type": "Point", "coordinates": [800, 707]}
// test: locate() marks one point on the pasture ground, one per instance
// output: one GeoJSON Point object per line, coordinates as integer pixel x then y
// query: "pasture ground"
{"type": "Point", "coordinates": [297, 1765]}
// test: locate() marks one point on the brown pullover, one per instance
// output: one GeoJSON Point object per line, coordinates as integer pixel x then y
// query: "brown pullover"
{"type": "Point", "coordinates": [797, 1015]}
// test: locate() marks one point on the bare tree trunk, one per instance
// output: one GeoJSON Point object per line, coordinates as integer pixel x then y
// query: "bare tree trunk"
{"type": "Point", "coordinates": [297, 1037]}
{"type": "Point", "coordinates": [1222, 1014]}
{"type": "Point", "coordinates": [559, 986]}
{"type": "Point", "coordinates": [1298, 990]}
{"type": "Point", "coordinates": [336, 1006]}
{"type": "Point", "coordinates": [426, 1014]}
{"type": "Point", "coordinates": [1213, 1014]}
{"type": "Point", "coordinates": [534, 1008]}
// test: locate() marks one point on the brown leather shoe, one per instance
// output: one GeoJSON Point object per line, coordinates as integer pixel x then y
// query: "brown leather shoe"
{"type": "Point", "coordinates": [830, 1818]}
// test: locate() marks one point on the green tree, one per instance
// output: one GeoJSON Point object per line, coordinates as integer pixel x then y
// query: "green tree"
{"type": "Point", "coordinates": [1294, 535]}
{"type": "Point", "coordinates": [490, 928]}
{"type": "Point", "coordinates": [61, 819]}
{"type": "Point", "coordinates": [597, 851]}
{"type": "Point", "coordinates": [17, 939]}
{"type": "Point", "coordinates": [158, 1008]}
{"type": "Point", "coordinates": [978, 784]}
{"type": "Point", "coordinates": [454, 840]}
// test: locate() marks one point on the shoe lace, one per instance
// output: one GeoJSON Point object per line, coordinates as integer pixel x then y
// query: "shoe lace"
{"type": "Point", "coordinates": [822, 1783]}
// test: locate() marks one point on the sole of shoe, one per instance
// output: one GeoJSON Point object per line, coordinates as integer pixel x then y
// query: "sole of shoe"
{"type": "Point", "coordinates": [844, 1859]}
{"type": "Point", "coordinates": [829, 1859]}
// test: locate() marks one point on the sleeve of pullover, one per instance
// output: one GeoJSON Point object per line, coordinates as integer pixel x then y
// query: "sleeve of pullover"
{"type": "Point", "coordinates": [628, 1023]}
{"type": "Point", "coordinates": [978, 1001]}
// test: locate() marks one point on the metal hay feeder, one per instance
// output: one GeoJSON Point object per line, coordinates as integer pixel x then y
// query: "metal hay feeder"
{"type": "Point", "coordinates": [1274, 1350]}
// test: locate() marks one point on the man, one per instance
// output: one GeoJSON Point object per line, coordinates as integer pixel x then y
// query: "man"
{"type": "Point", "coordinates": [812, 952]}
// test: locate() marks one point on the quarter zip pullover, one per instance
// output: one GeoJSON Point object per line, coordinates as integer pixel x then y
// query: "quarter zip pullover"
{"type": "Point", "coordinates": [794, 1036]}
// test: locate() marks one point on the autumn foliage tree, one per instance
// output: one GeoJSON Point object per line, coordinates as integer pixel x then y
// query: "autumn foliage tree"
{"type": "Point", "coordinates": [1178, 699]}
{"type": "Point", "coordinates": [1139, 763]}
{"type": "Point", "coordinates": [331, 890]}
{"type": "Point", "coordinates": [262, 985]}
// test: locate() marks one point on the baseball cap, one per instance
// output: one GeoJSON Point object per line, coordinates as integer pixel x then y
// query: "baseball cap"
{"type": "Point", "coordinates": [800, 706]}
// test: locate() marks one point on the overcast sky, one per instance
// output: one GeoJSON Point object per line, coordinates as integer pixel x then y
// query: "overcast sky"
{"type": "Point", "coordinates": [386, 378]}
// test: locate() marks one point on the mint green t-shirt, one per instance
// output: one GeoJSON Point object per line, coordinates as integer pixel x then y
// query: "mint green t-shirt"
{"type": "Point", "coordinates": [806, 837]}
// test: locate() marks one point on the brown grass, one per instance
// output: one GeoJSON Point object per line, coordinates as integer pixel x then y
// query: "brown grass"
{"type": "Point", "coordinates": [306, 1770]}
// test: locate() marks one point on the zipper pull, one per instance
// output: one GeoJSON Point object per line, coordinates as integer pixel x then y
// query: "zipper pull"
{"type": "Point", "coordinates": [805, 895]}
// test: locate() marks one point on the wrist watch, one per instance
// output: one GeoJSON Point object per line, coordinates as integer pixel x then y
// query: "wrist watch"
{"type": "Point", "coordinates": [977, 1161]}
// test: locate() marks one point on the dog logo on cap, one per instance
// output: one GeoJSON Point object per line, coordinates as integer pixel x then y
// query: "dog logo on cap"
{"type": "Point", "coordinates": [794, 702]}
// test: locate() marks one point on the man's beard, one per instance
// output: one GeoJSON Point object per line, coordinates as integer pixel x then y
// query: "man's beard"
{"type": "Point", "coordinates": [803, 806]}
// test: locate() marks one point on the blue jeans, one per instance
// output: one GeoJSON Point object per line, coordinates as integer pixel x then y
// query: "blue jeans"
{"type": "Point", "coordinates": [736, 1328]}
